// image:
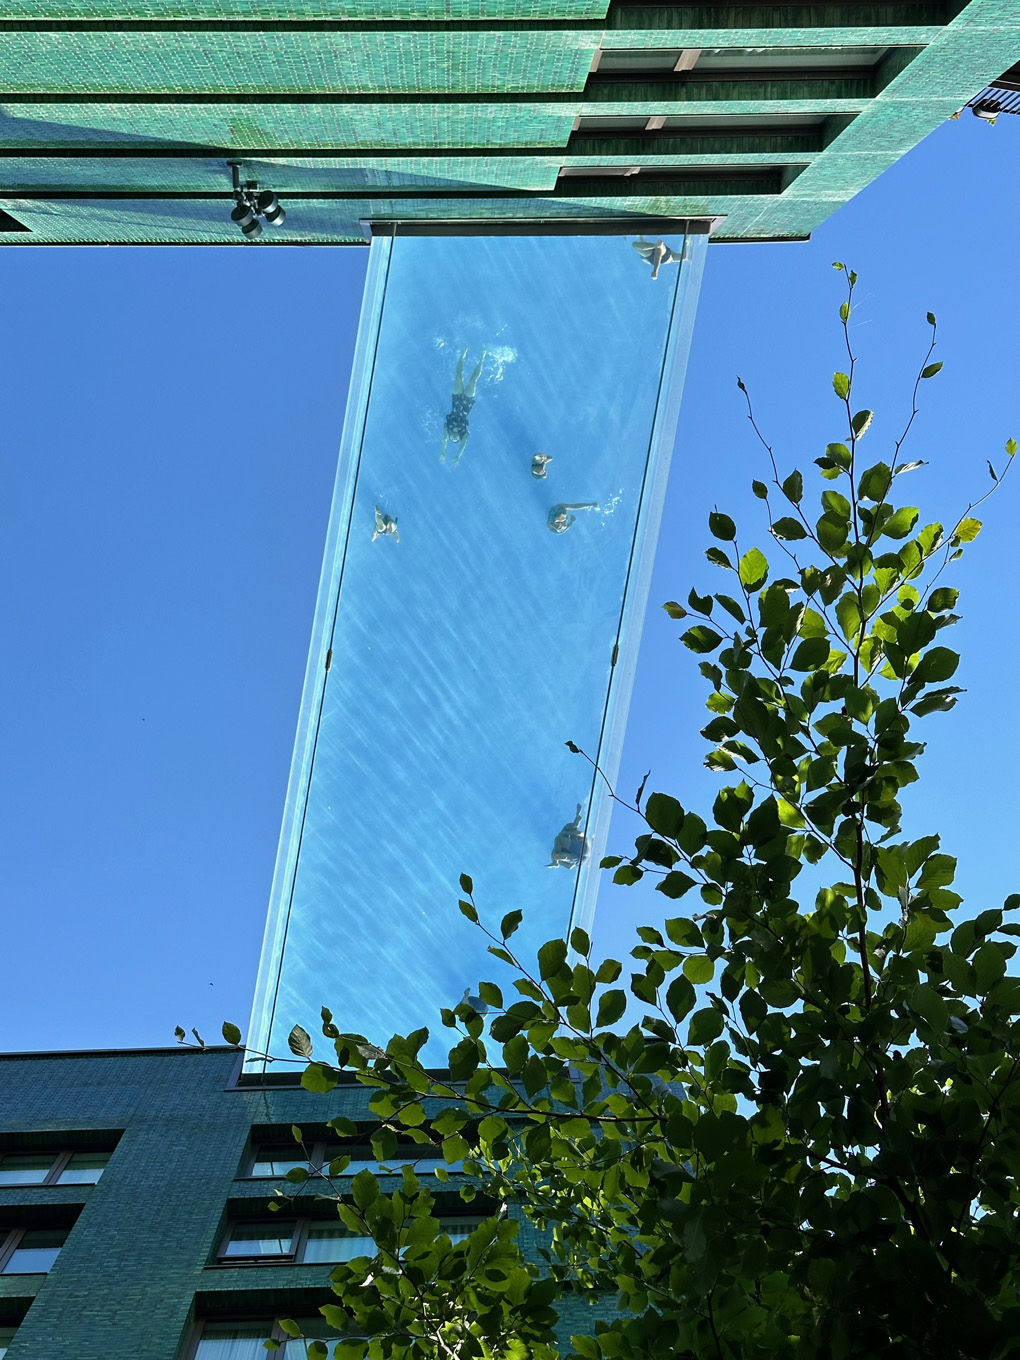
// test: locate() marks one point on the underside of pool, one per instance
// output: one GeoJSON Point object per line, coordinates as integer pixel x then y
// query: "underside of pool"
{"type": "Point", "coordinates": [505, 453]}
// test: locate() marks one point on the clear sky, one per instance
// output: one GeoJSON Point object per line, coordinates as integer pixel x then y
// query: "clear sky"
{"type": "Point", "coordinates": [167, 450]}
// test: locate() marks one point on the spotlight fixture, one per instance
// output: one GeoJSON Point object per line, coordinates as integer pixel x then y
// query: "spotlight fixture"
{"type": "Point", "coordinates": [986, 109]}
{"type": "Point", "coordinates": [251, 204]}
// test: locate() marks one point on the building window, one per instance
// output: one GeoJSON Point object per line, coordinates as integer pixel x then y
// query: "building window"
{"type": "Point", "coordinates": [245, 1340]}
{"type": "Point", "coordinates": [311, 1241]}
{"type": "Point", "coordinates": [6, 1337]}
{"type": "Point", "coordinates": [30, 1251]}
{"type": "Point", "coordinates": [277, 1161]}
{"type": "Point", "coordinates": [258, 1241]}
{"type": "Point", "coordinates": [274, 1160]}
{"type": "Point", "coordinates": [52, 1168]}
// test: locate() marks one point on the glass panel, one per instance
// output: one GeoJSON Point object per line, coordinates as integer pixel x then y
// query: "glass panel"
{"type": "Point", "coordinates": [35, 1253]}
{"type": "Point", "coordinates": [457, 1229]}
{"type": "Point", "coordinates": [789, 58]}
{"type": "Point", "coordinates": [6, 1337]}
{"type": "Point", "coordinates": [31, 1169]}
{"type": "Point", "coordinates": [277, 1161]}
{"type": "Point", "coordinates": [503, 467]}
{"type": "Point", "coordinates": [233, 1341]}
{"type": "Point", "coordinates": [638, 59]}
{"type": "Point", "coordinates": [329, 1242]}
{"type": "Point", "coordinates": [314, 1328]}
{"type": "Point", "coordinates": [260, 1239]}
{"type": "Point", "coordinates": [84, 1168]}
{"type": "Point", "coordinates": [420, 1162]}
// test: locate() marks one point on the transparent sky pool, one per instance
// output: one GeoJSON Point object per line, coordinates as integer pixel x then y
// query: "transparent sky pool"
{"type": "Point", "coordinates": [449, 669]}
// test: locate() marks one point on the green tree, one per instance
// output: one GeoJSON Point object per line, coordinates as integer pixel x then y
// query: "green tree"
{"type": "Point", "coordinates": [808, 1143]}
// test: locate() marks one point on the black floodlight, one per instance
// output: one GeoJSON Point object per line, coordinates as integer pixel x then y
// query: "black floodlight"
{"type": "Point", "coordinates": [986, 109]}
{"type": "Point", "coordinates": [269, 207]}
{"type": "Point", "coordinates": [251, 204]}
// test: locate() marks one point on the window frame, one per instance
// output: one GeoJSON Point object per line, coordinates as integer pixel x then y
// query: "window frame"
{"type": "Point", "coordinates": [322, 1152]}
{"type": "Point", "coordinates": [61, 1161]}
{"type": "Point", "coordinates": [11, 1241]}
{"type": "Point", "coordinates": [276, 1332]}
{"type": "Point", "coordinates": [299, 1241]}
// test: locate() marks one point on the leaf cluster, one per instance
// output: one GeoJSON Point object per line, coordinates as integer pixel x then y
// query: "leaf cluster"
{"type": "Point", "coordinates": [804, 1140]}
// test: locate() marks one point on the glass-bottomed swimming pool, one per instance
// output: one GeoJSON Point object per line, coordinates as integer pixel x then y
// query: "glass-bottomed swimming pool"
{"type": "Point", "coordinates": [480, 606]}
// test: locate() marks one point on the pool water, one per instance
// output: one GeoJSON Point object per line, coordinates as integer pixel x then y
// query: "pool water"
{"type": "Point", "coordinates": [453, 660]}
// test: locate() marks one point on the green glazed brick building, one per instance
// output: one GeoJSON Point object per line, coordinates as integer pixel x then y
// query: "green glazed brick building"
{"type": "Point", "coordinates": [133, 1220]}
{"type": "Point", "coordinates": [118, 117]}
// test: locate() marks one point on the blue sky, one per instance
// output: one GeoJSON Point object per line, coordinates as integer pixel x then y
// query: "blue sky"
{"type": "Point", "coordinates": [170, 427]}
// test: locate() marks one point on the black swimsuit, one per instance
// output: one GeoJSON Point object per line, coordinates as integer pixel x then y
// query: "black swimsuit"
{"type": "Point", "coordinates": [457, 420]}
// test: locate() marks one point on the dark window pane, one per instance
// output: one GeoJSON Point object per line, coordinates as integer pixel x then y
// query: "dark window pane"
{"type": "Point", "coordinates": [277, 1161]}
{"type": "Point", "coordinates": [233, 1341]}
{"type": "Point", "coordinates": [25, 1170]}
{"type": "Point", "coordinates": [331, 1242]}
{"type": "Point", "coordinates": [36, 1252]}
{"type": "Point", "coordinates": [260, 1239]}
{"type": "Point", "coordinates": [84, 1168]}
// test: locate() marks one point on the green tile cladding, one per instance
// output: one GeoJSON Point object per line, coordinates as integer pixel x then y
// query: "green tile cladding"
{"type": "Point", "coordinates": [186, 63]}
{"type": "Point", "coordinates": [281, 126]}
{"type": "Point", "coordinates": [137, 1267]}
{"type": "Point", "coordinates": [468, 109]}
{"type": "Point", "coordinates": [211, 11]}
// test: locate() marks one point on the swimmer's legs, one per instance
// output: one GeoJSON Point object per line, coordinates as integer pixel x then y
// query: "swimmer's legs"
{"type": "Point", "coordinates": [469, 391]}
{"type": "Point", "coordinates": [458, 377]}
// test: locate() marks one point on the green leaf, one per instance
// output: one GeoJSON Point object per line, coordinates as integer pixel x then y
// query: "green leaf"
{"type": "Point", "coordinates": [664, 815]}
{"type": "Point", "coordinates": [732, 608]}
{"type": "Point", "coordinates": [721, 526]}
{"type": "Point", "coordinates": [318, 1078]}
{"type": "Point", "coordinates": [874, 483]}
{"type": "Point", "coordinates": [579, 943]}
{"type": "Point", "coordinates": [701, 638]}
{"type": "Point", "coordinates": [231, 1034]}
{"type": "Point", "coordinates": [841, 385]}
{"type": "Point", "coordinates": [299, 1041]}
{"type": "Point", "coordinates": [831, 532]}
{"type": "Point", "coordinates": [699, 968]}
{"type": "Point", "coordinates": [551, 958]}
{"type": "Point", "coordinates": [628, 874]}
{"type": "Point", "coordinates": [754, 569]}
{"type": "Point", "coordinates": [611, 1006]}
{"type": "Point", "coordinates": [812, 654]}
{"type": "Point", "coordinates": [675, 884]}
{"type": "Point", "coordinates": [466, 884]}
{"type": "Point", "coordinates": [793, 488]}
{"type": "Point", "coordinates": [705, 1026]}
{"type": "Point", "coordinates": [290, 1327]}
{"type": "Point", "coordinates": [509, 923]}
{"type": "Point", "coordinates": [927, 1003]}
{"type": "Point", "coordinates": [760, 490]}
{"type": "Point", "coordinates": [967, 530]}
{"type": "Point", "coordinates": [931, 370]}
{"type": "Point", "coordinates": [466, 909]}
{"type": "Point", "coordinates": [938, 664]}
{"type": "Point", "coordinates": [915, 631]}
{"type": "Point", "coordinates": [862, 422]}
{"type": "Point", "coordinates": [718, 557]}
{"type": "Point", "coordinates": [942, 599]}
{"type": "Point", "coordinates": [789, 528]}
{"type": "Point", "coordinates": [364, 1189]}
{"type": "Point", "coordinates": [681, 998]}
{"type": "Point", "coordinates": [491, 995]}
{"type": "Point", "coordinates": [900, 523]}
{"type": "Point", "coordinates": [674, 610]}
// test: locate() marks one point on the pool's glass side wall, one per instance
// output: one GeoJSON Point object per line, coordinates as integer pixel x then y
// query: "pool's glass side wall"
{"type": "Point", "coordinates": [473, 617]}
